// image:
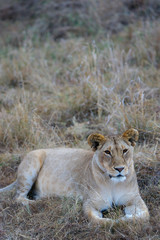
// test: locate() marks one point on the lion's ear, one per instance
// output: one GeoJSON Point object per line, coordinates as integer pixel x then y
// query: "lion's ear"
{"type": "Point", "coordinates": [131, 135]}
{"type": "Point", "coordinates": [95, 140]}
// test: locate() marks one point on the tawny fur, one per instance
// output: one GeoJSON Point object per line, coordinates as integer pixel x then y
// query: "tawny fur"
{"type": "Point", "coordinates": [100, 178]}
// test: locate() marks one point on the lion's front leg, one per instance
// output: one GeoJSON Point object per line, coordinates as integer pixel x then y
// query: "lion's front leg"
{"type": "Point", "coordinates": [136, 210]}
{"type": "Point", "coordinates": [96, 216]}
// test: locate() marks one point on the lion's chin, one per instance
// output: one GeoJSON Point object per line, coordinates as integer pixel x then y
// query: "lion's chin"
{"type": "Point", "coordinates": [118, 178]}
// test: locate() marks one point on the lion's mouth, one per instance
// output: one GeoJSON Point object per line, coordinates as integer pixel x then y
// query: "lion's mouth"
{"type": "Point", "coordinates": [118, 176]}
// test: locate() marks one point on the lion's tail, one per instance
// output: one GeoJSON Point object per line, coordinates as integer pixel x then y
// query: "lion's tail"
{"type": "Point", "coordinates": [9, 187]}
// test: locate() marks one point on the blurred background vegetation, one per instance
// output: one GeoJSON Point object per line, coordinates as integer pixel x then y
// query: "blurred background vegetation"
{"type": "Point", "coordinates": [66, 18]}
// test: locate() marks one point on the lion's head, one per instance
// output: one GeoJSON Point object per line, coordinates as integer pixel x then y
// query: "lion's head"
{"type": "Point", "coordinates": [114, 155]}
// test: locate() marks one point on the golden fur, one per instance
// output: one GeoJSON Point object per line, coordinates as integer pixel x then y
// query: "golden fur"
{"type": "Point", "coordinates": [100, 177]}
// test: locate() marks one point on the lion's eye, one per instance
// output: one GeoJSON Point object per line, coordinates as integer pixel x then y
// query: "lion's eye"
{"type": "Point", "coordinates": [107, 152]}
{"type": "Point", "coordinates": [125, 150]}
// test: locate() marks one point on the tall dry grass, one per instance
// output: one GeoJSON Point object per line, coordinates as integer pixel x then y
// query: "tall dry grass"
{"type": "Point", "coordinates": [103, 83]}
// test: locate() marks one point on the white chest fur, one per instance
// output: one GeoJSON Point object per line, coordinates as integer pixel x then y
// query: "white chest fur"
{"type": "Point", "coordinates": [115, 193]}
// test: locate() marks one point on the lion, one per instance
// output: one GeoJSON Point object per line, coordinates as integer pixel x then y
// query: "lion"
{"type": "Point", "coordinates": [101, 177]}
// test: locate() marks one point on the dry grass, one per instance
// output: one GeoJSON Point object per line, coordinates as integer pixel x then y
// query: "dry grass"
{"type": "Point", "coordinates": [57, 93]}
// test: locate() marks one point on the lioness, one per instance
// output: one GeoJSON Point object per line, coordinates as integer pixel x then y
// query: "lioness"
{"type": "Point", "coordinates": [101, 177]}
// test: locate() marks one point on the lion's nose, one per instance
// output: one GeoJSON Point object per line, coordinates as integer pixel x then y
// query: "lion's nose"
{"type": "Point", "coordinates": [119, 169]}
